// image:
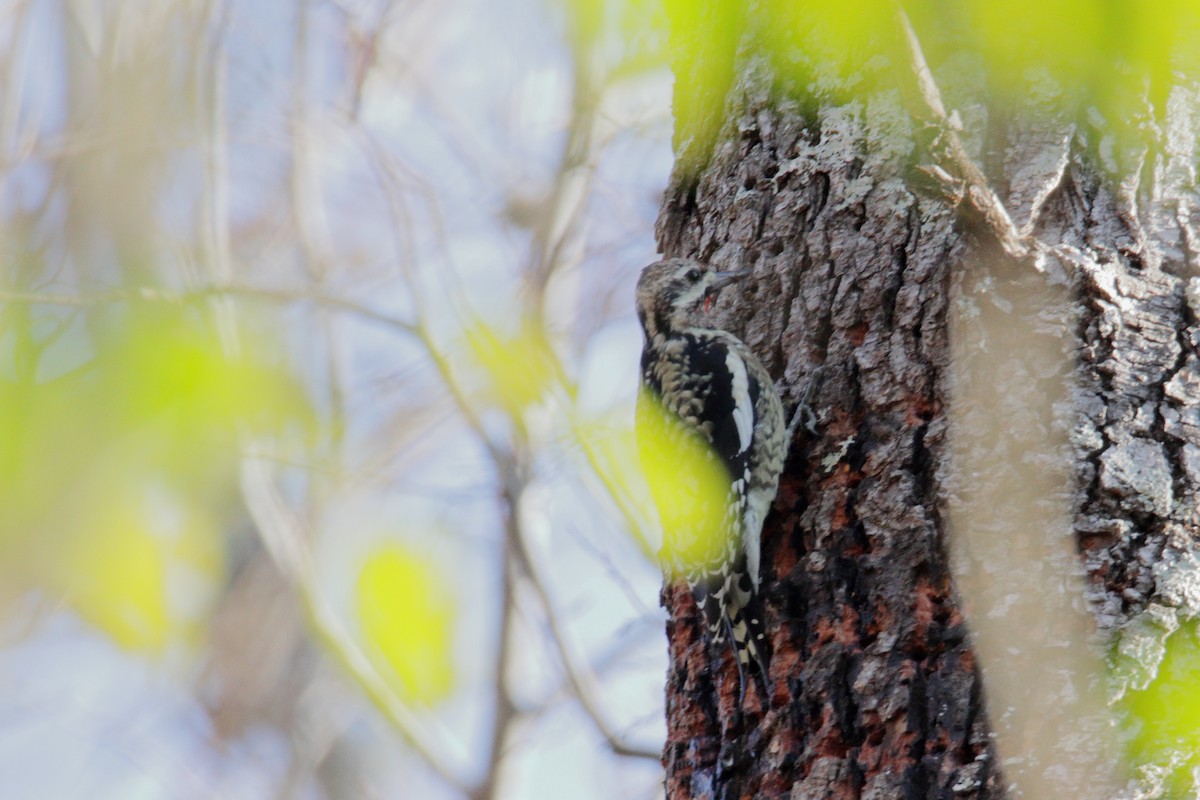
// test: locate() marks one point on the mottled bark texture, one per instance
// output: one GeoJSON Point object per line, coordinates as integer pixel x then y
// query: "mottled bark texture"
{"type": "Point", "coordinates": [1076, 395]}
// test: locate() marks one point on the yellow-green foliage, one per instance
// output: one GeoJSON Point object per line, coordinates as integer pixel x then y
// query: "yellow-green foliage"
{"type": "Point", "coordinates": [689, 484]}
{"type": "Point", "coordinates": [116, 476]}
{"type": "Point", "coordinates": [520, 367]}
{"type": "Point", "coordinates": [703, 41]}
{"type": "Point", "coordinates": [1116, 59]}
{"type": "Point", "coordinates": [828, 48]}
{"type": "Point", "coordinates": [407, 617]}
{"type": "Point", "coordinates": [1163, 720]}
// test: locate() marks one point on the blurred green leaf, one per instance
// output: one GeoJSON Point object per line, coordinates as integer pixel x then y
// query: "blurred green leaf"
{"type": "Point", "coordinates": [115, 475]}
{"type": "Point", "coordinates": [1064, 37]}
{"type": "Point", "coordinates": [826, 47]}
{"type": "Point", "coordinates": [689, 484]}
{"type": "Point", "coordinates": [610, 446]}
{"type": "Point", "coordinates": [170, 369]}
{"type": "Point", "coordinates": [1118, 58]}
{"type": "Point", "coordinates": [703, 40]}
{"type": "Point", "coordinates": [1163, 719]}
{"type": "Point", "coordinates": [407, 615]}
{"type": "Point", "coordinates": [128, 550]}
{"type": "Point", "coordinates": [521, 367]}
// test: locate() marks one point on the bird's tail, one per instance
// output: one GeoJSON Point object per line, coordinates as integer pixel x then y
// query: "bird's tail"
{"type": "Point", "coordinates": [732, 607]}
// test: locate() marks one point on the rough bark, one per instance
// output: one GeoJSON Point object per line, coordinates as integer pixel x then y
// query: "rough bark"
{"type": "Point", "coordinates": [876, 692]}
{"type": "Point", "coordinates": [1074, 409]}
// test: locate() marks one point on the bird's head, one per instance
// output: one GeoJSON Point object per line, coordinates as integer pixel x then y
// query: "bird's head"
{"type": "Point", "coordinates": [676, 293]}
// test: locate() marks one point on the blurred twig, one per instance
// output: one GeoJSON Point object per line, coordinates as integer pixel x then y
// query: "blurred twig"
{"type": "Point", "coordinates": [621, 495]}
{"type": "Point", "coordinates": [581, 679]}
{"type": "Point", "coordinates": [155, 295]}
{"type": "Point", "coordinates": [283, 535]}
{"type": "Point", "coordinates": [560, 216]}
{"type": "Point", "coordinates": [504, 712]}
{"type": "Point", "coordinates": [507, 467]}
{"type": "Point", "coordinates": [10, 107]}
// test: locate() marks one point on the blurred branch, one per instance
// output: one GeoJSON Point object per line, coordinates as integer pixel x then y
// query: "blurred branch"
{"type": "Point", "coordinates": [304, 187]}
{"type": "Point", "coordinates": [389, 182]}
{"type": "Point", "coordinates": [977, 191]}
{"type": "Point", "coordinates": [562, 214]}
{"type": "Point", "coordinates": [564, 207]}
{"type": "Point", "coordinates": [568, 195]}
{"type": "Point", "coordinates": [393, 177]}
{"type": "Point", "coordinates": [211, 79]}
{"type": "Point", "coordinates": [363, 43]}
{"type": "Point", "coordinates": [505, 711]}
{"type": "Point", "coordinates": [307, 202]}
{"type": "Point", "coordinates": [155, 295]}
{"type": "Point", "coordinates": [507, 469]}
{"type": "Point", "coordinates": [282, 534]}
{"type": "Point", "coordinates": [14, 59]}
{"type": "Point", "coordinates": [618, 494]}
{"type": "Point", "coordinates": [580, 678]}
{"type": "Point", "coordinates": [504, 462]}
{"type": "Point", "coordinates": [614, 573]}
{"type": "Point", "coordinates": [215, 240]}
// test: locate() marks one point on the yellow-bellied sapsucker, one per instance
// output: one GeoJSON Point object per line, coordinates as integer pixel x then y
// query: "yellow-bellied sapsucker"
{"type": "Point", "coordinates": [701, 384]}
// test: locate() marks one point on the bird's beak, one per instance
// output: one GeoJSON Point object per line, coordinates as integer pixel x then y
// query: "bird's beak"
{"type": "Point", "coordinates": [720, 280]}
{"type": "Point", "coordinates": [723, 279]}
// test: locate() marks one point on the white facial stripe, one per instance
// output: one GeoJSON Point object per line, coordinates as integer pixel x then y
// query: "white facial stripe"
{"type": "Point", "coordinates": [693, 295]}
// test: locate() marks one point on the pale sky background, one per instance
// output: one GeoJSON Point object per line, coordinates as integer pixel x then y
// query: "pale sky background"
{"type": "Point", "coordinates": [476, 104]}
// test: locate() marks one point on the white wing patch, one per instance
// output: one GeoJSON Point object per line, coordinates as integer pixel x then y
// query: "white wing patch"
{"type": "Point", "coordinates": [753, 544]}
{"type": "Point", "coordinates": [743, 405]}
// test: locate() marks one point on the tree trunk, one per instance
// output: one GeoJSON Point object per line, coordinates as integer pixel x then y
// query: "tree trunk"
{"type": "Point", "coordinates": [975, 411]}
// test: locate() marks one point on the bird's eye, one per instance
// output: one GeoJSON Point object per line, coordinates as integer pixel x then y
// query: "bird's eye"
{"type": "Point", "coordinates": [693, 275]}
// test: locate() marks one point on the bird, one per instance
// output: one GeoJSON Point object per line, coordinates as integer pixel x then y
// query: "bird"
{"type": "Point", "coordinates": [712, 442]}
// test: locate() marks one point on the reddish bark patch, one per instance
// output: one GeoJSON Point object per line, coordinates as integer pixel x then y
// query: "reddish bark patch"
{"type": "Point", "coordinates": [921, 409]}
{"type": "Point", "coordinates": [827, 741]}
{"type": "Point", "coordinates": [843, 631]}
{"type": "Point", "coordinates": [784, 557]}
{"type": "Point", "coordinates": [890, 748]}
{"type": "Point", "coordinates": [927, 607]}
{"type": "Point", "coordinates": [786, 660]}
{"type": "Point", "coordinates": [883, 618]}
